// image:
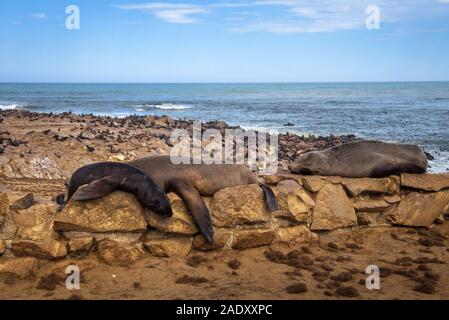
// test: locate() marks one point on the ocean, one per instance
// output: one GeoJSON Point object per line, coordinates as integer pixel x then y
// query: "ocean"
{"type": "Point", "coordinates": [411, 112]}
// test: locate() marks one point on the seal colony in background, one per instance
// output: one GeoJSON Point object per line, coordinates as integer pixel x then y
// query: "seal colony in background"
{"type": "Point", "coordinates": [150, 178]}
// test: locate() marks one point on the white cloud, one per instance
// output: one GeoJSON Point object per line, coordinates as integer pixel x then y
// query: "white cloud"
{"type": "Point", "coordinates": [169, 12]}
{"type": "Point", "coordinates": [290, 16]}
{"type": "Point", "coordinates": [39, 15]}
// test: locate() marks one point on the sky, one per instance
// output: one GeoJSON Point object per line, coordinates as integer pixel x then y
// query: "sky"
{"type": "Point", "coordinates": [224, 41]}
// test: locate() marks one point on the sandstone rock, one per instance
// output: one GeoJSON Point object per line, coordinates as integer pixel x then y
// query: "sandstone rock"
{"type": "Point", "coordinates": [2, 246]}
{"type": "Point", "coordinates": [393, 198]}
{"type": "Point", "coordinates": [426, 182]}
{"type": "Point", "coordinates": [313, 183]}
{"type": "Point", "coordinates": [116, 212]}
{"type": "Point", "coordinates": [4, 204]}
{"type": "Point", "coordinates": [252, 238]}
{"type": "Point", "coordinates": [118, 254]}
{"type": "Point", "coordinates": [372, 219]}
{"type": "Point", "coordinates": [36, 222]}
{"type": "Point", "coordinates": [222, 238]}
{"type": "Point", "coordinates": [181, 222]}
{"type": "Point", "coordinates": [370, 205]}
{"type": "Point", "coordinates": [420, 209]}
{"type": "Point", "coordinates": [239, 205]}
{"type": "Point", "coordinates": [162, 246]}
{"type": "Point", "coordinates": [24, 203]}
{"type": "Point", "coordinates": [276, 178]}
{"type": "Point", "coordinates": [123, 237]}
{"type": "Point", "coordinates": [333, 209]}
{"type": "Point", "coordinates": [47, 249]}
{"type": "Point", "coordinates": [83, 244]}
{"type": "Point", "coordinates": [290, 195]}
{"type": "Point", "coordinates": [357, 186]}
{"type": "Point", "coordinates": [22, 268]}
{"type": "Point", "coordinates": [294, 235]}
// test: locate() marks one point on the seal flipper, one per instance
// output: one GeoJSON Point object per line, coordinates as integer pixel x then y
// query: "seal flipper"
{"type": "Point", "coordinates": [196, 206]}
{"type": "Point", "coordinates": [97, 188]}
{"type": "Point", "coordinates": [270, 198]}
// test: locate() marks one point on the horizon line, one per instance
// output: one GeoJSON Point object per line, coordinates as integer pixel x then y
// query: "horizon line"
{"type": "Point", "coordinates": [215, 82]}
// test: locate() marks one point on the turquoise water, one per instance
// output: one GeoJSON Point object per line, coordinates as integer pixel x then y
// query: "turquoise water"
{"type": "Point", "coordinates": [415, 112]}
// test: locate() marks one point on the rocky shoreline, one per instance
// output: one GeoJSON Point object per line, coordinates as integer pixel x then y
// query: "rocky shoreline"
{"type": "Point", "coordinates": [318, 245]}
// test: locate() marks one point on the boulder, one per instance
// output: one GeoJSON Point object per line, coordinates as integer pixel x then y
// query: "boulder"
{"type": "Point", "coordinates": [22, 268]}
{"type": "Point", "coordinates": [222, 239]}
{"type": "Point", "coordinates": [47, 249]}
{"type": "Point", "coordinates": [370, 205]}
{"type": "Point", "coordinates": [116, 212]}
{"type": "Point", "coordinates": [333, 209]}
{"type": "Point", "coordinates": [82, 244]}
{"type": "Point", "coordinates": [420, 209]}
{"type": "Point", "coordinates": [252, 238]}
{"type": "Point", "coordinates": [239, 205]}
{"type": "Point", "coordinates": [181, 222]}
{"type": "Point", "coordinates": [36, 222]}
{"type": "Point", "coordinates": [119, 254]}
{"type": "Point", "coordinates": [161, 246]}
{"type": "Point", "coordinates": [4, 204]}
{"type": "Point", "coordinates": [294, 235]}
{"type": "Point", "coordinates": [290, 196]}
{"type": "Point", "coordinates": [25, 202]}
{"type": "Point", "coordinates": [426, 182]}
{"type": "Point", "coordinates": [357, 186]}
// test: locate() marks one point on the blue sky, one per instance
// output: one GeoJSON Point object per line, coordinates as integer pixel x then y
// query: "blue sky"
{"type": "Point", "coordinates": [224, 41]}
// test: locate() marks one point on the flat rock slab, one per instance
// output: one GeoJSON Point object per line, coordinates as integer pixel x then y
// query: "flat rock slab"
{"type": "Point", "coordinates": [419, 209]}
{"type": "Point", "coordinates": [357, 186]}
{"type": "Point", "coordinates": [252, 238]}
{"type": "Point", "coordinates": [315, 183]}
{"type": "Point", "coordinates": [370, 205]}
{"type": "Point", "coordinates": [333, 209]}
{"type": "Point", "coordinates": [116, 212]}
{"type": "Point", "coordinates": [48, 249]}
{"type": "Point", "coordinates": [426, 182]}
{"type": "Point", "coordinates": [294, 235]}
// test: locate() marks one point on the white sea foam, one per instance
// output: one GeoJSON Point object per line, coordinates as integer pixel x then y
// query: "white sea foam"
{"type": "Point", "coordinates": [163, 106]}
{"type": "Point", "coordinates": [10, 106]}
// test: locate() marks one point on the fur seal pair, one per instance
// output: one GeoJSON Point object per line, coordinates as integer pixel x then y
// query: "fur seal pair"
{"type": "Point", "coordinates": [152, 177]}
{"type": "Point", "coordinates": [363, 159]}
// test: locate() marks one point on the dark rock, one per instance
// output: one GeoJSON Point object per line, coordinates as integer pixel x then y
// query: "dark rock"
{"type": "Point", "coordinates": [24, 203]}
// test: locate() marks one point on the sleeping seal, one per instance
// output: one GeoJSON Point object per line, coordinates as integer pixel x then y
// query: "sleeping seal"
{"type": "Point", "coordinates": [150, 178]}
{"type": "Point", "coordinates": [191, 181]}
{"type": "Point", "coordinates": [359, 159]}
{"type": "Point", "coordinates": [99, 179]}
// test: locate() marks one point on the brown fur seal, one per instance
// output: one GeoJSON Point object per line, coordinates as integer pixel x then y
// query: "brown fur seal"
{"type": "Point", "coordinates": [99, 179]}
{"type": "Point", "coordinates": [361, 159]}
{"type": "Point", "coordinates": [191, 181]}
